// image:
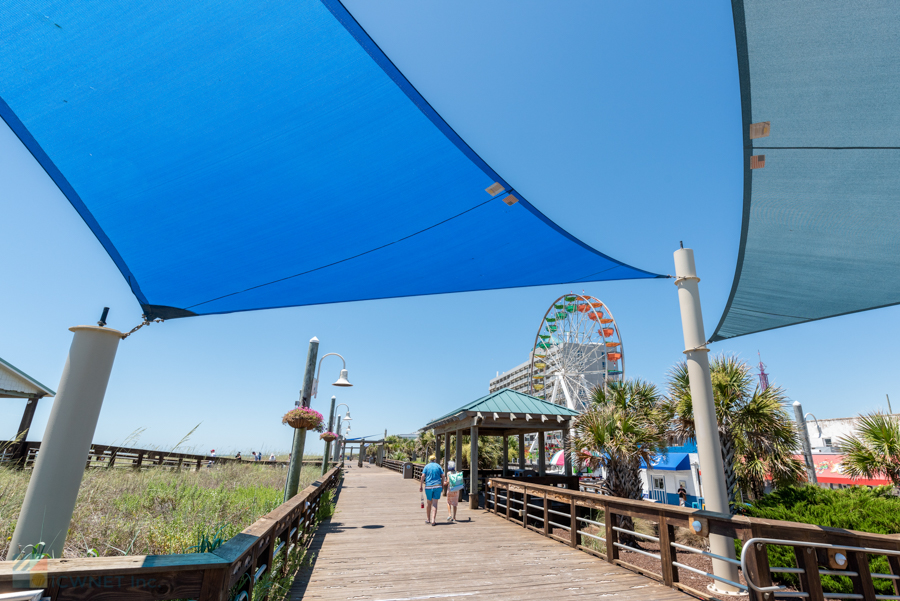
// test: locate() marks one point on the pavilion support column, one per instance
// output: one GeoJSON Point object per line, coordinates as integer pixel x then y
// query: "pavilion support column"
{"type": "Point", "coordinates": [542, 461]}
{"type": "Point", "coordinates": [458, 438]}
{"type": "Point", "coordinates": [53, 488]}
{"type": "Point", "coordinates": [567, 459]}
{"type": "Point", "coordinates": [522, 452]}
{"type": "Point", "coordinates": [446, 450]}
{"type": "Point", "coordinates": [437, 448]}
{"type": "Point", "coordinates": [505, 460]}
{"type": "Point", "coordinates": [24, 427]}
{"type": "Point", "coordinates": [473, 468]}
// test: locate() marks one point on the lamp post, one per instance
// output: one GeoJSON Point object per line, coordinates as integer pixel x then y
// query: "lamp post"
{"type": "Point", "coordinates": [804, 439]}
{"type": "Point", "coordinates": [342, 381]}
{"type": "Point", "coordinates": [296, 464]}
{"type": "Point", "coordinates": [332, 415]}
{"type": "Point", "coordinates": [309, 391]}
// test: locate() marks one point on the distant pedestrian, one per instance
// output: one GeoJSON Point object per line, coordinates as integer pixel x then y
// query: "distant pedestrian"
{"type": "Point", "coordinates": [238, 456]}
{"type": "Point", "coordinates": [454, 482]}
{"type": "Point", "coordinates": [432, 482]}
{"type": "Point", "coordinates": [682, 495]}
{"type": "Point", "coordinates": [212, 454]}
{"type": "Point", "coordinates": [272, 457]}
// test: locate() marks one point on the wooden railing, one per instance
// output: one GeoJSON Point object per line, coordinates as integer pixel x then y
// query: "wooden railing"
{"type": "Point", "coordinates": [106, 456]}
{"type": "Point", "coordinates": [593, 523]}
{"type": "Point", "coordinates": [232, 568]}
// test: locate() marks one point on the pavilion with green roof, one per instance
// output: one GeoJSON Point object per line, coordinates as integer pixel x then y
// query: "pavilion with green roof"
{"type": "Point", "coordinates": [503, 413]}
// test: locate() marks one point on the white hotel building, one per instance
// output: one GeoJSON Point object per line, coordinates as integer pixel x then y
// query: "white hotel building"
{"type": "Point", "coordinates": [518, 379]}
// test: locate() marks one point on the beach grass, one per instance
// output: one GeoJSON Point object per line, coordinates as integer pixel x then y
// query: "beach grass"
{"type": "Point", "coordinates": [156, 511]}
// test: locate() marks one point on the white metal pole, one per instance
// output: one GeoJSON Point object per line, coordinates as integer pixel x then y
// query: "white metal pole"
{"type": "Point", "coordinates": [706, 426]}
{"type": "Point", "coordinates": [804, 440]}
{"type": "Point", "coordinates": [53, 488]}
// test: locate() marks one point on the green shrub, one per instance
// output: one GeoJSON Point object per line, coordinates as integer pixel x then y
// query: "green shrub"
{"type": "Point", "coordinates": [860, 508]}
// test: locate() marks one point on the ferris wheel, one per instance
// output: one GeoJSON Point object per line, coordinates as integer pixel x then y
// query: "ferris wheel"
{"type": "Point", "coordinates": [577, 348]}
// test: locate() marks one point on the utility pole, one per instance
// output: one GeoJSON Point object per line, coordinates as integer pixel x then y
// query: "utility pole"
{"type": "Point", "coordinates": [293, 478]}
{"type": "Point", "coordinates": [706, 427]}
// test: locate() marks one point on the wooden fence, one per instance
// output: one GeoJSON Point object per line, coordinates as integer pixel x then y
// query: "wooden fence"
{"type": "Point", "coordinates": [593, 523]}
{"type": "Point", "coordinates": [227, 573]}
{"type": "Point", "coordinates": [106, 456]}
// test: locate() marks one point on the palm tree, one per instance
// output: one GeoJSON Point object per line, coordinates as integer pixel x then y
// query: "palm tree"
{"type": "Point", "coordinates": [756, 433]}
{"type": "Point", "coordinates": [874, 450]}
{"type": "Point", "coordinates": [623, 425]}
{"type": "Point", "coordinates": [424, 444]}
{"type": "Point", "coordinates": [490, 452]}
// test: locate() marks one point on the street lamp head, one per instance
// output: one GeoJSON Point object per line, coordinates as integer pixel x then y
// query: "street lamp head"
{"type": "Point", "coordinates": [347, 417]}
{"type": "Point", "coordinates": [342, 381]}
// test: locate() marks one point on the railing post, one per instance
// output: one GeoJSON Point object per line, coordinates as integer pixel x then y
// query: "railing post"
{"type": "Point", "coordinates": [810, 580]}
{"type": "Point", "coordinates": [140, 461]}
{"type": "Point", "coordinates": [612, 537]}
{"type": "Point", "coordinates": [546, 515]}
{"type": "Point", "coordinates": [524, 506]}
{"type": "Point", "coordinates": [213, 585]}
{"type": "Point", "coordinates": [508, 504]}
{"type": "Point", "coordinates": [666, 552]}
{"type": "Point", "coordinates": [758, 564]}
{"type": "Point", "coordinates": [198, 464]}
{"type": "Point", "coordinates": [573, 523]}
{"type": "Point", "coordinates": [894, 562]}
{"type": "Point", "coordinates": [862, 584]}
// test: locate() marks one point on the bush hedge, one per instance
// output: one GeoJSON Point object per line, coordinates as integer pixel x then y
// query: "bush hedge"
{"type": "Point", "coordinates": [861, 508]}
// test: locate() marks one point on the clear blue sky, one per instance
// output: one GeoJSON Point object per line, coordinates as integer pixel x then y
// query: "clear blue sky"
{"type": "Point", "coordinates": [619, 121]}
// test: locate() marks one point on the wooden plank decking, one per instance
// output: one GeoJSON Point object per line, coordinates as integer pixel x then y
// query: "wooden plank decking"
{"type": "Point", "coordinates": [377, 547]}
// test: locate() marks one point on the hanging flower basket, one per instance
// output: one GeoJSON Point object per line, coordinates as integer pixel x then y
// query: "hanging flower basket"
{"type": "Point", "coordinates": [304, 418]}
{"type": "Point", "coordinates": [328, 436]}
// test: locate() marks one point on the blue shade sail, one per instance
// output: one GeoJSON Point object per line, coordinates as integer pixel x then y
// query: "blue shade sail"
{"type": "Point", "coordinates": [819, 235]}
{"type": "Point", "coordinates": [248, 155]}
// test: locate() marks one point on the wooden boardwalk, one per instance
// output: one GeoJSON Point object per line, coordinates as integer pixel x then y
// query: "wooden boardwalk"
{"type": "Point", "coordinates": [378, 547]}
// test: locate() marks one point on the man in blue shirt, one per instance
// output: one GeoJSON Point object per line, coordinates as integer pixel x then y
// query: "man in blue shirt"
{"type": "Point", "coordinates": [432, 481]}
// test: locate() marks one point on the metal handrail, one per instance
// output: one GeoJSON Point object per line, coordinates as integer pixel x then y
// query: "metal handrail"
{"type": "Point", "coordinates": [641, 551]}
{"type": "Point", "coordinates": [598, 524]}
{"type": "Point", "coordinates": [715, 556]}
{"type": "Point", "coordinates": [583, 533]}
{"type": "Point", "coordinates": [794, 543]}
{"type": "Point", "coordinates": [647, 536]}
{"type": "Point", "coordinates": [719, 578]}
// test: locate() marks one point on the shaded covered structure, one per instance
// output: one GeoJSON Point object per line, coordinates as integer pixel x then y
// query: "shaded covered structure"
{"type": "Point", "coordinates": [16, 384]}
{"type": "Point", "coordinates": [503, 413]}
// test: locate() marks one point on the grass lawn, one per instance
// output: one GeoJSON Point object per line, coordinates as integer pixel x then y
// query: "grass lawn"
{"type": "Point", "coordinates": [155, 511]}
